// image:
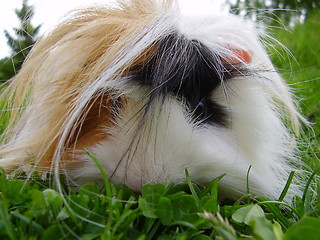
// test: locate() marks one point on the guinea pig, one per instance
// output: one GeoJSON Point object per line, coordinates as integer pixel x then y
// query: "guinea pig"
{"type": "Point", "coordinates": [151, 92]}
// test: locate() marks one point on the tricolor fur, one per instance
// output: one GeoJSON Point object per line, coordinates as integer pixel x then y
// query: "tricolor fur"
{"type": "Point", "coordinates": [151, 92]}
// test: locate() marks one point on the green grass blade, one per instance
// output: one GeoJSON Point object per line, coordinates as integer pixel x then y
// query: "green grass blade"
{"type": "Point", "coordinates": [248, 186]}
{"type": "Point", "coordinates": [309, 183]}
{"type": "Point", "coordinates": [286, 187]}
{"type": "Point", "coordinates": [191, 186]}
{"type": "Point", "coordinates": [5, 217]}
{"type": "Point", "coordinates": [103, 173]}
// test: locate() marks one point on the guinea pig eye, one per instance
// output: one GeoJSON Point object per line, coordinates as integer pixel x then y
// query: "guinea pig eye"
{"type": "Point", "coordinates": [201, 111]}
{"type": "Point", "coordinates": [207, 111]}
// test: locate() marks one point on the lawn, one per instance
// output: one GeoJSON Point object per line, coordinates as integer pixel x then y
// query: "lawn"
{"type": "Point", "coordinates": [33, 210]}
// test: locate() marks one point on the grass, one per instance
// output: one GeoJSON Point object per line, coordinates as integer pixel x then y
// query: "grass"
{"type": "Point", "coordinates": [32, 210]}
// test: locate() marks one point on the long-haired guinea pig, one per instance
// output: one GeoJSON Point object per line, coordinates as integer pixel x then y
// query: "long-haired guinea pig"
{"type": "Point", "coordinates": [151, 92]}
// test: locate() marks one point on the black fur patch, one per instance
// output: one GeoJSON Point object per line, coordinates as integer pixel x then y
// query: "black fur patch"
{"type": "Point", "coordinates": [188, 70]}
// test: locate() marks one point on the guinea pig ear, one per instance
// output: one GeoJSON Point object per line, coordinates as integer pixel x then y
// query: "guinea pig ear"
{"type": "Point", "coordinates": [235, 58]}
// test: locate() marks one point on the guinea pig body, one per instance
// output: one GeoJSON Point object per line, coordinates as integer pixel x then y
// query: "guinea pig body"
{"type": "Point", "coordinates": [151, 92]}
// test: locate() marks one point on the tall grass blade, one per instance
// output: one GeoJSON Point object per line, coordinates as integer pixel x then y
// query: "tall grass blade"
{"type": "Point", "coordinates": [103, 173]}
{"type": "Point", "coordinates": [286, 187]}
